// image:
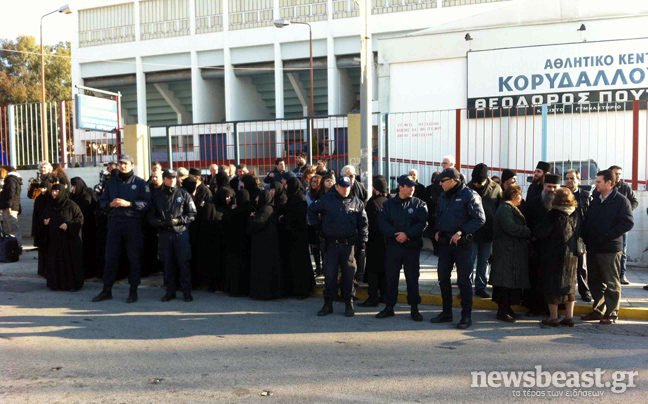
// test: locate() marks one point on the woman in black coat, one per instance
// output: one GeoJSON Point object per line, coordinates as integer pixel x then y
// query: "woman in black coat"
{"type": "Point", "coordinates": [558, 233]}
{"type": "Point", "coordinates": [265, 265]}
{"type": "Point", "coordinates": [238, 248]}
{"type": "Point", "coordinates": [510, 259]}
{"type": "Point", "coordinates": [250, 184]}
{"type": "Point", "coordinates": [38, 230]}
{"type": "Point", "coordinates": [211, 239]}
{"type": "Point", "coordinates": [298, 280]}
{"type": "Point", "coordinates": [376, 244]}
{"type": "Point", "coordinates": [63, 221]}
{"type": "Point", "coordinates": [84, 198]}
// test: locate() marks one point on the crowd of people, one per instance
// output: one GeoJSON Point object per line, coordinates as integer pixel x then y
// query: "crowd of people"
{"type": "Point", "coordinates": [231, 231]}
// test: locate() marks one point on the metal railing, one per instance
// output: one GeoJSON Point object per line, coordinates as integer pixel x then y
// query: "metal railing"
{"type": "Point", "coordinates": [251, 19]}
{"type": "Point", "coordinates": [107, 36]}
{"type": "Point", "coordinates": [345, 9]}
{"type": "Point", "coordinates": [209, 23]}
{"type": "Point", "coordinates": [316, 11]}
{"type": "Point", "coordinates": [164, 29]}
{"type": "Point", "coordinates": [392, 6]}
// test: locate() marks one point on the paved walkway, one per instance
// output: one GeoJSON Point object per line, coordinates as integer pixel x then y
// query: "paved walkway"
{"type": "Point", "coordinates": [633, 295]}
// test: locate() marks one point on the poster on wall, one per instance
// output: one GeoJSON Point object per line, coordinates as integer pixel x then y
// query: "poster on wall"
{"type": "Point", "coordinates": [568, 78]}
{"type": "Point", "coordinates": [97, 114]}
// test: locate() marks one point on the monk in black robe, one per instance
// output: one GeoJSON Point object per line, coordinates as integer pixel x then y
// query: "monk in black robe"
{"type": "Point", "coordinates": [265, 265]}
{"type": "Point", "coordinates": [210, 240]}
{"type": "Point", "coordinates": [63, 219]}
{"type": "Point", "coordinates": [237, 243]}
{"type": "Point", "coordinates": [250, 184]}
{"type": "Point", "coordinates": [39, 232]}
{"type": "Point", "coordinates": [84, 198]}
{"type": "Point", "coordinates": [299, 280]}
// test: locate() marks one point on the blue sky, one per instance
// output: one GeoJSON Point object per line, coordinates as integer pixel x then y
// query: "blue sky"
{"type": "Point", "coordinates": [23, 18]}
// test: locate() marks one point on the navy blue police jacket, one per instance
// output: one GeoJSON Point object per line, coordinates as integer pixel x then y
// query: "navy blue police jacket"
{"type": "Point", "coordinates": [134, 190]}
{"type": "Point", "coordinates": [339, 218]}
{"type": "Point", "coordinates": [408, 216]}
{"type": "Point", "coordinates": [169, 204]}
{"type": "Point", "coordinates": [459, 209]}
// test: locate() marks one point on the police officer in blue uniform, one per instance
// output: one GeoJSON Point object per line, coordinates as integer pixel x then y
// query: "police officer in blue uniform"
{"type": "Point", "coordinates": [126, 198]}
{"type": "Point", "coordinates": [172, 210]}
{"type": "Point", "coordinates": [459, 214]}
{"type": "Point", "coordinates": [402, 220]}
{"type": "Point", "coordinates": [341, 221]}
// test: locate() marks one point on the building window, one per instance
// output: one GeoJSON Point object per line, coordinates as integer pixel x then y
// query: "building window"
{"type": "Point", "coordinates": [164, 18]}
{"type": "Point", "coordinates": [106, 25]}
{"type": "Point", "coordinates": [250, 13]}
{"type": "Point", "coordinates": [209, 16]}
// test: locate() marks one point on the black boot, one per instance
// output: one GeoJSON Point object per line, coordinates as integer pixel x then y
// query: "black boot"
{"type": "Point", "coordinates": [348, 307]}
{"type": "Point", "coordinates": [368, 303]}
{"type": "Point", "coordinates": [388, 311]}
{"type": "Point", "coordinates": [443, 317]}
{"type": "Point", "coordinates": [132, 296]}
{"type": "Point", "coordinates": [106, 294]}
{"type": "Point", "coordinates": [327, 308]}
{"type": "Point", "coordinates": [464, 323]}
{"type": "Point", "coordinates": [414, 313]}
{"type": "Point", "coordinates": [503, 314]}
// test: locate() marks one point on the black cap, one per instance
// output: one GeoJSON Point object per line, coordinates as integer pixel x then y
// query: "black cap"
{"type": "Point", "coordinates": [189, 184]}
{"type": "Point", "coordinates": [552, 179]}
{"type": "Point", "coordinates": [195, 171]}
{"type": "Point", "coordinates": [480, 173]}
{"type": "Point", "coordinates": [126, 157]}
{"type": "Point", "coordinates": [544, 166]}
{"type": "Point", "coordinates": [343, 181]}
{"type": "Point", "coordinates": [380, 184]}
{"type": "Point", "coordinates": [451, 173]}
{"type": "Point", "coordinates": [507, 174]}
{"type": "Point", "coordinates": [406, 180]}
{"type": "Point", "coordinates": [169, 173]}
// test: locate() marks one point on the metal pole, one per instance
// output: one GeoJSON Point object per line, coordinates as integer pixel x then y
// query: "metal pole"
{"type": "Point", "coordinates": [366, 98]}
{"type": "Point", "coordinates": [237, 155]}
{"type": "Point", "coordinates": [169, 148]}
{"type": "Point", "coordinates": [43, 113]}
{"type": "Point", "coordinates": [312, 87]}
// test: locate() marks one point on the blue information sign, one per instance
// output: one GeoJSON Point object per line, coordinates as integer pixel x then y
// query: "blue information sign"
{"type": "Point", "coordinates": [93, 113]}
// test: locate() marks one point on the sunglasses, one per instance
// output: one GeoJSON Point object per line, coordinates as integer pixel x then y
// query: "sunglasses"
{"type": "Point", "coordinates": [445, 179]}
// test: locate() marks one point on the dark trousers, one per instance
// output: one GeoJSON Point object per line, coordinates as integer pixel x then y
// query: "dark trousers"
{"type": "Point", "coordinates": [131, 232]}
{"type": "Point", "coordinates": [175, 253]}
{"type": "Point", "coordinates": [462, 257]}
{"type": "Point", "coordinates": [583, 287]}
{"type": "Point", "coordinates": [624, 256]}
{"type": "Point", "coordinates": [377, 284]}
{"type": "Point", "coordinates": [360, 257]}
{"type": "Point", "coordinates": [605, 283]}
{"type": "Point", "coordinates": [398, 256]}
{"type": "Point", "coordinates": [342, 256]}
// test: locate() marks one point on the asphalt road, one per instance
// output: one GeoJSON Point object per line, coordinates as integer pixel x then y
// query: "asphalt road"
{"type": "Point", "coordinates": [60, 347]}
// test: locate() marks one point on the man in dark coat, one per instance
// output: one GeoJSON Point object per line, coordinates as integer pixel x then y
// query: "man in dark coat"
{"type": "Point", "coordinates": [432, 194]}
{"type": "Point", "coordinates": [402, 220]}
{"type": "Point", "coordinates": [358, 190]}
{"type": "Point", "coordinates": [459, 215]}
{"type": "Point", "coordinates": [583, 197]}
{"type": "Point", "coordinates": [341, 220]}
{"type": "Point", "coordinates": [203, 194]}
{"type": "Point", "coordinates": [491, 195]}
{"type": "Point", "coordinates": [276, 175]}
{"type": "Point", "coordinates": [376, 244]}
{"type": "Point", "coordinates": [609, 217]}
{"type": "Point", "coordinates": [10, 204]}
{"type": "Point", "coordinates": [236, 183]}
{"type": "Point", "coordinates": [172, 211]}
{"type": "Point", "coordinates": [534, 211]}
{"type": "Point", "coordinates": [300, 158]}
{"type": "Point", "coordinates": [126, 198]}
{"type": "Point", "coordinates": [536, 187]}
{"type": "Point", "coordinates": [419, 189]}
{"type": "Point", "coordinates": [625, 190]}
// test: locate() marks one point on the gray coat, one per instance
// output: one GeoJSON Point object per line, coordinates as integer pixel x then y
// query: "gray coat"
{"type": "Point", "coordinates": [510, 259]}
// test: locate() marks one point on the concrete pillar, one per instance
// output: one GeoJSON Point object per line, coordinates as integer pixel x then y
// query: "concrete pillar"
{"type": "Point", "coordinates": [333, 79]}
{"type": "Point", "coordinates": [192, 17]}
{"type": "Point", "coordinates": [136, 144]}
{"type": "Point", "coordinates": [136, 19]}
{"type": "Point", "coordinates": [207, 96]}
{"type": "Point", "coordinates": [279, 82]}
{"type": "Point", "coordinates": [141, 91]}
{"type": "Point", "coordinates": [242, 100]}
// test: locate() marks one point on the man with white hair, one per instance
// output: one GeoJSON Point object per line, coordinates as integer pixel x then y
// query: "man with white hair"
{"type": "Point", "coordinates": [448, 162]}
{"type": "Point", "coordinates": [357, 189]}
{"type": "Point", "coordinates": [419, 189]}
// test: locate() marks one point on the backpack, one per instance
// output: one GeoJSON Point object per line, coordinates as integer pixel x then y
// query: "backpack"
{"type": "Point", "coordinates": [9, 249]}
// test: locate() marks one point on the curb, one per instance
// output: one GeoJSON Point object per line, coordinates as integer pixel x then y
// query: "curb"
{"type": "Point", "coordinates": [625, 313]}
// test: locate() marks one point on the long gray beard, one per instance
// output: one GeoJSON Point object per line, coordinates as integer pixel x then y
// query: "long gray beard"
{"type": "Point", "coordinates": [547, 199]}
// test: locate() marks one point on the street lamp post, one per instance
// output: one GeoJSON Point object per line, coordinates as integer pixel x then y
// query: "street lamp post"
{"type": "Point", "coordinates": [65, 10]}
{"type": "Point", "coordinates": [284, 23]}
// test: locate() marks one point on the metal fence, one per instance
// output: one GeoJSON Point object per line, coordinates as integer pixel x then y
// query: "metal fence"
{"type": "Point", "coordinates": [586, 137]}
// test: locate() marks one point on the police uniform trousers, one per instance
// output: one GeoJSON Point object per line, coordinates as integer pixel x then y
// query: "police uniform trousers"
{"type": "Point", "coordinates": [409, 259]}
{"type": "Point", "coordinates": [175, 254]}
{"type": "Point", "coordinates": [340, 255]}
{"type": "Point", "coordinates": [130, 231]}
{"type": "Point", "coordinates": [462, 257]}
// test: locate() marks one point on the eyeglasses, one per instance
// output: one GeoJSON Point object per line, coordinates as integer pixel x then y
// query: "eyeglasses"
{"type": "Point", "coordinates": [445, 179]}
{"type": "Point", "coordinates": [445, 162]}
{"type": "Point", "coordinates": [351, 176]}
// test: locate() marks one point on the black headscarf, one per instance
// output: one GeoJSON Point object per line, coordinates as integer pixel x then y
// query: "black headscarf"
{"type": "Point", "coordinates": [294, 187]}
{"type": "Point", "coordinates": [222, 180]}
{"type": "Point", "coordinates": [265, 199]}
{"type": "Point", "coordinates": [62, 199]}
{"type": "Point", "coordinates": [280, 197]}
{"type": "Point", "coordinates": [242, 197]}
{"type": "Point", "coordinates": [82, 195]}
{"type": "Point", "coordinates": [189, 184]}
{"type": "Point", "coordinates": [221, 197]}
